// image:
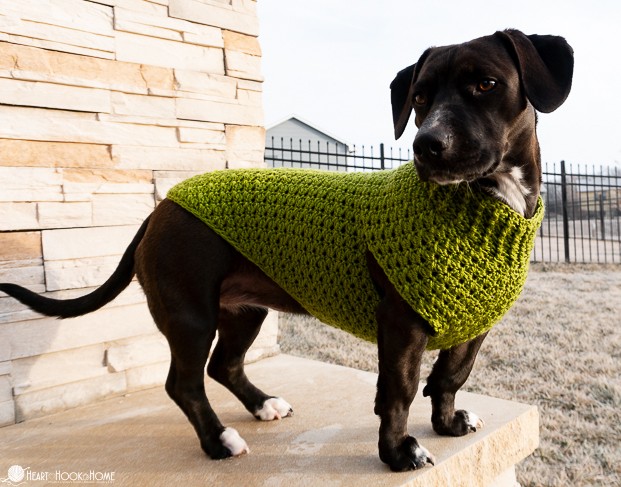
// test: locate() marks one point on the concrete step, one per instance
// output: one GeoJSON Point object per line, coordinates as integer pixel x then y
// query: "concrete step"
{"type": "Point", "coordinates": [144, 440]}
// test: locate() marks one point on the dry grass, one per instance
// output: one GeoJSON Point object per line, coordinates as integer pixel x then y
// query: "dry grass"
{"type": "Point", "coordinates": [559, 348]}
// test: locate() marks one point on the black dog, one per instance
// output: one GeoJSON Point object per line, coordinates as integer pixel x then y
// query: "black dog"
{"type": "Point", "coordinates": [475, 108]}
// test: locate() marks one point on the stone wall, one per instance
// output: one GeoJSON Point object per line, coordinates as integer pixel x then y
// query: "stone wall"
{"type": "Point", "coordinates": [105, 105]}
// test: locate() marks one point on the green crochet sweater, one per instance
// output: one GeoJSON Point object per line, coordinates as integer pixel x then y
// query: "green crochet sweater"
{"type": "Point", "coordinates": [458, 257]}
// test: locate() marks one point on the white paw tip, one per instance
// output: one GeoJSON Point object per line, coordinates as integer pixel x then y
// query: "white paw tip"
{"type": "Point", "coordinates": [233, 442]}
{"type": "Point", "coordinates": [474, 422]}
{"type": "Point", "coordinates": [422, 452]}
{"type": "Point", "coordinates": [274, 408]}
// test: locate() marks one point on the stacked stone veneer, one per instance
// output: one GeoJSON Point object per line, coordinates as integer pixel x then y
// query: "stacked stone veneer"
{"type": "Point", "coordinates": [105, 105]}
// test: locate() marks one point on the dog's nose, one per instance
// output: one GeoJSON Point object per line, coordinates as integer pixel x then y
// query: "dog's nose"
{"type": "Point", "coordinates": [431, 144]}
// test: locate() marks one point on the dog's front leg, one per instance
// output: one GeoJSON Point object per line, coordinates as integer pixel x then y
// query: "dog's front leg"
{"type": "Point", "coordinates": [449, 373]}
{"type": "Point", "coordinates": [402, 338]}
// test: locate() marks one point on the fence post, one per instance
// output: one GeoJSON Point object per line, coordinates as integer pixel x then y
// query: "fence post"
{"type": "Point", "coordinates": [565, 211]}
{"type": "Point", "coordinates": [382, 160]}
{"type": "Point", "coordinates": [602, 213]}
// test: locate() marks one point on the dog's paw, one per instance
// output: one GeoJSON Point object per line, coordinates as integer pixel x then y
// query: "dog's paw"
{"type": "Point", "coordinates": [274, 408]}
{"type": "Point", "coordinates": [233, 442]}
{"type": "Point", "coordinates": [471, 420]}
{"type": "Point", "coordinates": [409, 455]}
{"type": "Point", "coordinates": [463, 422]}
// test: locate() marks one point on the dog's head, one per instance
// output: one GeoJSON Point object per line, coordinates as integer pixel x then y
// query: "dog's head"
{"type": "Point", "coordinates": [475, 103]}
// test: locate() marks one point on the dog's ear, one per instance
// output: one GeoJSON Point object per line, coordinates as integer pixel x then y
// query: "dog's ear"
{"type": "Point", "coordinates": [401, 91]}
{"type": "Point", "coordinates": [546, 66]}
{"type": "Point", "coordinates": [401, 99]}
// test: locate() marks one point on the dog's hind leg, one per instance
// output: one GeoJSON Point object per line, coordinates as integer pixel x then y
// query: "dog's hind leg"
{"type": "Point", "coordinates": [449, 373]}
{"type": "Point", "coordinates": [190, 332]}
{"type": "Point", "coordinates": [185, 385]}
{"type": "Point", "coordinates": [237, 330]}
{"type": "Point", "coordinates": [180, 264]}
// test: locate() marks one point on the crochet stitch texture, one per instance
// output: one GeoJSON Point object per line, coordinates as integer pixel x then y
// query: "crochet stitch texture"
{"type": "Point", "coordinates": [458, 257]}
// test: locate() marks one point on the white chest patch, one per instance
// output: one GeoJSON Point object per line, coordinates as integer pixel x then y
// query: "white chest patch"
{"type": "Point", "coordinates": [511, 189]}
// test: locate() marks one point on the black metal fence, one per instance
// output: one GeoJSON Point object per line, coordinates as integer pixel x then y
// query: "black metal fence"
{"type": "Point", "coordinates": [583, 215]}
{"type": "Point", "coordinates": [582, 223]}
{"type": "Point", "coordinates": [315, 154]}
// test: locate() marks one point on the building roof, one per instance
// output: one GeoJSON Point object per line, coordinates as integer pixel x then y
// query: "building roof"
{"type": "Point", "coordinates": [309, 124]}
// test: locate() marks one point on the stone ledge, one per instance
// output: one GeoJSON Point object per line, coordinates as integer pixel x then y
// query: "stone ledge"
{"type": "Point", "coordinates": [331, 440]}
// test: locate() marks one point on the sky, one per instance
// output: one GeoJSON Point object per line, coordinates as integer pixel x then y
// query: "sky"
{"type": "Point", "coordinates": [331, 63]}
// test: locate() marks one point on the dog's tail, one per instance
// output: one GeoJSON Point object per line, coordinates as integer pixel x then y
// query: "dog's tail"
{"type": "Point", "coordinates": [69, 308]}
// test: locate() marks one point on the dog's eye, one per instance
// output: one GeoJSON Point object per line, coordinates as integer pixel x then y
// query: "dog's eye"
{"type": "Point", "coordinates": [487, 85]}
{"type": "Point", "coordinates": [420, 99]}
